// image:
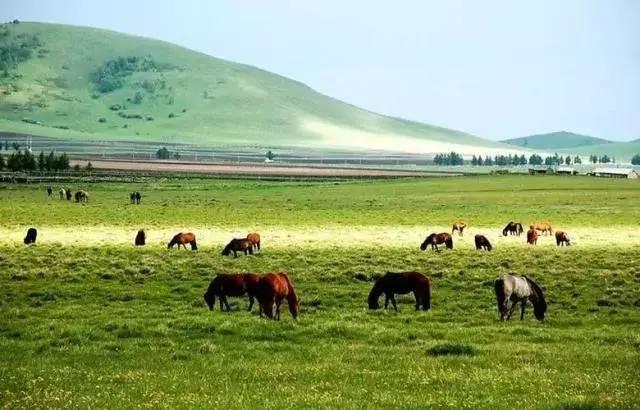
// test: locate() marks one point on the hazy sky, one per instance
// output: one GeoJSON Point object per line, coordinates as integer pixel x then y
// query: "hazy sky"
{"type": "Point", "coordinates": [496, 69]}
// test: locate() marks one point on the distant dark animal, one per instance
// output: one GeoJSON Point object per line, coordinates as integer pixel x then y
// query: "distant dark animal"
{"type": "Point", "coordinates": [138, 197]}
{"type": "Point", "coordinates": [543, 227]}
{"type": "Point", "coordinates": [518, 289]}
{"type": "Point", "coordinates": [458, 226]}
{"type": "Point", "coordinates": [401, 283]}
{"type": "Point", "coordinates": [140, 238]}
{"type": "Point", "coordinates": [32, 234]}
{"type": "Point", "coordinates": [482, 243]}
{"type": "Point", "coordinates": [49, 191]}
{"type": "Point", "coordinates": [562, 239]}
{"type": "Point", "coordinates": [82, 196]}
{"type": "Point", "coordinates": [271, 290]}
{"type": "Point", "coordinates": [238, 245]}
{"type": "Point", "coordinates": [184, 238]}
{"type": "Point", "coordinates": [69, 194]}
{"type": "Point", "coordinates": [236, 284]}
{"type": "Point", "coordinates": [512, 228]}
{"type": "Point", "coordinates": [254, 238]}
{"type": "Point", "coordinates": [532, 236]}
{"type": "Point", "coordinates": [135, 197]}
{"type": "Point", "coordinates": [436, 239]}
{"type": "Point", "coordinates": [62, 193]}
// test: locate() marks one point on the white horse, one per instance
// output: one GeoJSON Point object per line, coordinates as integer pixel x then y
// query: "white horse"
{"type": "Point", "coordinates": [519, 289]}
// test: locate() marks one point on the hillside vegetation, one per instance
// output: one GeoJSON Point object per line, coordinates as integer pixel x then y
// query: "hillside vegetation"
{"type": "Point", "coordinates": [556, 140]}
{"type": "Point", "coordinates": [86, 83]}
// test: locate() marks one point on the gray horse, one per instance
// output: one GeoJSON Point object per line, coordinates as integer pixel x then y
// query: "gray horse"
{"type": "Point", "coordinates": [519, 289]}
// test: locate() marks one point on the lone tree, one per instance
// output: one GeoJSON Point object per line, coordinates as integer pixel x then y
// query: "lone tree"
{"type": "Point", "coordinates": [636, 159]}
{"type": "Point", "coordinates": [270, 155]}
{"type": "Point", "coordinates": [163, 153]}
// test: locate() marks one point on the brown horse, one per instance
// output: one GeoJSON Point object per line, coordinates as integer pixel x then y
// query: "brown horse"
{"type": "Point", "coordinates": [513, 228]}
{"type": "Point", "coordinates": [401, 283]}
{"type": "Point", "coordinates": [435, 239]}
{"type": "Point", "coordinates": [184, 238]}
{"type": "Point", "coordinates": [140, 238]}
{"type": "Point", "coordinates": [532, 236]}
{"type": "Point", "coordinates": [238, 245]}
{"type": "Point", "coordinates": [236, 284]}
{"type": "Point", "coordinates": [562, 239]}
{"type": "Point", "coordinates": [543, 227]}
{"type": "Point", "coordinates": [458, 226]}
{"type": "Point", "coordinates": [271, 290]}
{"type": "Point", "coordinates": [482, 243]}
{"type": "Point", "coordinates": [254, 238]}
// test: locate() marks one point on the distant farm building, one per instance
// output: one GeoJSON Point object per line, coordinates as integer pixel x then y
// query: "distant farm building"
{"type": "Point", "coordinates": [615, 173]}
{"type": "Point", "coordinates": [540, 169]}
{"type": "Point", "coordinates": [567, 171]}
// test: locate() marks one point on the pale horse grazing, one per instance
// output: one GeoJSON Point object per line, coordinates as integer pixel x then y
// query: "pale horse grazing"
{"type": "Point", "coordinates": [519, 289]}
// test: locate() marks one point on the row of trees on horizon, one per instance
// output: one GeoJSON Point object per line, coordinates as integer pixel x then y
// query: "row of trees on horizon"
{"type": "Point", "coordinates": [25, 161]}
{"type": "Point", "coordinates": [453, 158]}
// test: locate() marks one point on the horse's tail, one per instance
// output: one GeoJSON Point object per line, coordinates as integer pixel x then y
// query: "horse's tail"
{"type": "Point", "coordinates": [499, 289]}
{"type": "Point", "coordinates": [194, 245]}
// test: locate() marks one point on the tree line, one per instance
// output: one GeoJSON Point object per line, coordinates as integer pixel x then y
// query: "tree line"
{"type": "Point", "coordinates": [453, 158]}
{"type": "Point", "coordinates": [26, 161]}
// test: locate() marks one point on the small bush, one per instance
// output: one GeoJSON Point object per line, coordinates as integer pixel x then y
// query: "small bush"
{"type": "Point", "coordinates": [451, 349]}
{"type": "Point", "coordinates": [102, 119]}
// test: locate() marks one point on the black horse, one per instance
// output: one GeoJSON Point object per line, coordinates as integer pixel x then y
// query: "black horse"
{"type": "Point", "coordinates": [140, 238]}
{"type": "Point", "coordinates": [135, 197]}
{"type": "Point", "coordinates": [238, 245]}
{"type": "Point", "coordinates": [482, 243]}
{"type": "Point", "coordinates": [513, 228]}
{"type": "Point", "coordinates": [32, 234]}
{"type": "Point", "coordinates": [401, 283]}
{"type": "Point", "coordinates": [436, 239]}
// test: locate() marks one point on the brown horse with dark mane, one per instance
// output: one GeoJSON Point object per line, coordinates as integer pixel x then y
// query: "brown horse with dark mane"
{"type": "Point", "coordinates": [482, 243]}
{"type": "Point", "coordinates": [184, 238]}
{"type": "Point", "coordinates": [532, 236]}
{"type": "Point", "coordinates": [235, 284]}
{"type": "Point", "coordinates": [401, 283]}
{"type": "Point", "coordinates": [271, 290]}
{"type": "Point", "coordinates": [436, 239]}
{"type": "Point", "coordinates": [562, 239]}
{"type": "Point", "coordinates": [458, 226]}
{"type": "Point", "coordinates": [543, 227]}
{"type": "Point", "coordinates": [238, 245]}
{"type": "Point", "coordinates": [254, 238]}
{"type": "Point", "coordinates": [513, 228]}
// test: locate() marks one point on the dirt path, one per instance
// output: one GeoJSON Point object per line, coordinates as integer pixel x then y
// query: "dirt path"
{"type": "Point", "coordinates": [315, 237]}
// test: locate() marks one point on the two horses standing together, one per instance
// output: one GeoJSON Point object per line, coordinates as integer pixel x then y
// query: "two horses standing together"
{"type": "Point", "coordinates": [270, 289]}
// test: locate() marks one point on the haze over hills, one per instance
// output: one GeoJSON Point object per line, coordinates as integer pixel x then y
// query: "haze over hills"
{"type": "Point", "coordinates": [87, 83]}
{"type": "Point", "coordinates": [556, 140]}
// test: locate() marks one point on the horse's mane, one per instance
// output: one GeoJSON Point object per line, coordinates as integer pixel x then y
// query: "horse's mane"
{"type": "Point", "coordinates": [292, 297]}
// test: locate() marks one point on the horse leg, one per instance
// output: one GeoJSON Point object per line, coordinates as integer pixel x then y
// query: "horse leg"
{"type": "Point", "coordinates": [522, 304]}
{"type": "Point", "coordinates": [393, 302]}
{"type": "Point", "coordinates": [222, 303]}
{"type": "Point", "coordinates": [226, 302]}
{"type": "Point", "coordinates": [250, 303]}
{"type": "Point", "coordinates": [512, 309]}
{"type": "Point", "coordinates": [418, 301]}
{"type": "Point", "coordinates": [386, 300]}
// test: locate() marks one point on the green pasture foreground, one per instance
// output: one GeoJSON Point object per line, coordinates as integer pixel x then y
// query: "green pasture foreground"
{"type": "Point", "coordinates": [113, 326]}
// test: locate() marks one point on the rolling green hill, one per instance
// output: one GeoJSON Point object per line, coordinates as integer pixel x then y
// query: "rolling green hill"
{"type": "Point", "coordinates": [85, 83]}
{"type": "Point", "coordinates": [556, 140]}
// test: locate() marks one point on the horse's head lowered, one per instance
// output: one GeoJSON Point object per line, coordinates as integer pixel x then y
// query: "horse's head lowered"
{"type": "Point", "coordinates": [429, 240]}
{"type": "Point", "coordinates": [538, 301]}
{"type": "Point", "coordinates": [210, 299]}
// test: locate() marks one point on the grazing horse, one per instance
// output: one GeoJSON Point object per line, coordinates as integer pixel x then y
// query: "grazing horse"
{"type": "Point", "coordinates": [254, 238]}
{"type": "Point", "coordinates": [236, 284]}
{"type": "Point", "coordinates": [562, 239]}
{"type": "Point", "coordinates": [140, 238]}
{"type": "Point", "coordinates": [401, 283]}
{"type": "Point", "coordinates": [138, 197]}
{"type": "Point", "coordinates": [82, 196]}
{"type": "Point", "coordinates": [184, 238]}
{"type": "Point", "coordinates": [62, 193]}
{"type": "Point", "coordinates": [238, 245]}
{"type": "Point", "coordinates": [518, 289]}
{"type": "Point", "coordinates": [543, 227]}
{"type": "Point", "coordinates": [32, 234]}
{"type": "Point", "coordinates": [458, 226]}
{"type": "Point", "coordinates": [532, 236]}
{"type": "Point", "coordinates": [482, 243]}
{"type": "Point", "coordinates": [135, 197]}
{"type": "Point", "coordinates": [512, 228]}
{"type": "Point", "coordinates": [271, 290]}
{"type": "Point", "coordinates": [435, 239]}
{"type": "Point", "coordinates": [69, 194]}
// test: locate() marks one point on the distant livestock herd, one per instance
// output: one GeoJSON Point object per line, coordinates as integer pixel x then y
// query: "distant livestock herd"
{"type": "Point", "coordinates": [272, 288]}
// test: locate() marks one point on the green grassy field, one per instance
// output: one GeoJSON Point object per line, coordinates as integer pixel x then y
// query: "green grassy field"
{"type": "Point", "coordinates": [102, 324]}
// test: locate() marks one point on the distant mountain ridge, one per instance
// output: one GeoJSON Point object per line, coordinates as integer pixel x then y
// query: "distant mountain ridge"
{"type": "Point", "coordinates": [556, 140]}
